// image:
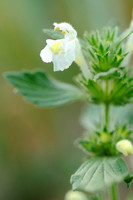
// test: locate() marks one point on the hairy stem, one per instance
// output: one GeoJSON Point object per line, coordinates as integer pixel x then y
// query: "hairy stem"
{"type": "Point", "coordinates": [107, 116]}
{"type": "Point", "coordinates": [113, 189]}
{"type": "Point", "coordinates": [106, 107]}
{"type": "Point", "coordinates": [113, 193]}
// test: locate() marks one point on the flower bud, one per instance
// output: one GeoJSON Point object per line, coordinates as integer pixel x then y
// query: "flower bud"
{"type": "Point", "coordinates": [125, 147]}
{"type": "Point", "coordinates": [105, 137]}
{"type": "Point", "coordinates": [70, 195]}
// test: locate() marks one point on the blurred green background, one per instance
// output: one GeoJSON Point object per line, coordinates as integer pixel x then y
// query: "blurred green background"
{"type": "Point", "coordinates": [37, 155]}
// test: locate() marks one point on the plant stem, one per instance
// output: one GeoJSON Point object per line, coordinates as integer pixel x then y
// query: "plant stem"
{"type": "Point", "coordinates": [113, 193]}
{"type": "Point", "coordinates": [113, 190]}
{"type": "Point", "coordinates": [107, 116]}
{"type": "Point", "coordinates": [106, 107]}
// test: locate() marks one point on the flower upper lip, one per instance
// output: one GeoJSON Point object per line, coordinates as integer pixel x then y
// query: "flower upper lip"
{"type": "Point", "coordinates": [66, 29]}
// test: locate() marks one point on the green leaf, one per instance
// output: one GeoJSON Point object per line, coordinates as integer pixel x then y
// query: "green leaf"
{"type": "Point", "coordinates": [113, 72]}
{"type": "Point", "coordinates": [125, 35]}
{"type": "Point", "coordinates": [42, 90]}
{"type": "Point", "coordinates": [96, 93]}
{"type": "Point", "coordinates": [97, 173]}
{"type": "Point", "coordinates": [53, 33]}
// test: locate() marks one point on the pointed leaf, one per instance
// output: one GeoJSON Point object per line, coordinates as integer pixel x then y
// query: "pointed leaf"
{"type": "Point", "coordinates": [113, 71]}
{"type": "Point", "coordinates": [42, 90]}
{"type": "Point", "coordinates": [97, 173]}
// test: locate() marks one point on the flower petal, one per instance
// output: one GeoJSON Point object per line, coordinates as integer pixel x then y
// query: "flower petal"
{"type": "Point", "coordinates": [64, 26]}
{"type": "Point", "coordinates": [66, 57]}
{"type": "Point", "coordinates": [68, 31]}
{"type": "Point", "coordinates": [50, 42]}
{"type": "Point", "coordinates": [46, 54]}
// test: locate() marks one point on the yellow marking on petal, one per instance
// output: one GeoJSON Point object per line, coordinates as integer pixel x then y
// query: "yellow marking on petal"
{"type": "Point", "coordinates": [63, 32]}
{"type": "Point", "coordinates": [57, 28]}
{"type": "Point", "coordinates": [56, 48]}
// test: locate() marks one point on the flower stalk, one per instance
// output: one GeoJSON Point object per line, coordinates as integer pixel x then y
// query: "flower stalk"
{"type": "Point", "coordinates": [113, 189]}
{"type": "Point", "coordinates": [106, 106]}
{"type": "Point", "coordinates": [113, 193]}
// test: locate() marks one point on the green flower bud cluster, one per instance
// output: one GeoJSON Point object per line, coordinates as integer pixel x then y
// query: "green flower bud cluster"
{"type": "Point", "coordinates": [103, 143]}
{"type": "Point", "coordinates": [106, 54]}
{"type": "Point", "coordinates": [104, 50]}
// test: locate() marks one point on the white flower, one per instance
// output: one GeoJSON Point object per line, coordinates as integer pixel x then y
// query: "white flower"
{"type": "Point", "coordinates": [75, 196]}
{"type": "Point", "coordinates": [63, 52]}
{"type": "Point", "coordinates": [125, 147]}
{"type": "Point", "coordinates": [60, 52]}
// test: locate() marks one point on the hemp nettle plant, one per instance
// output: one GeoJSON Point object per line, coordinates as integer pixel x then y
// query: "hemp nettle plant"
{"type": "Point", "coordinates": [106, 83]}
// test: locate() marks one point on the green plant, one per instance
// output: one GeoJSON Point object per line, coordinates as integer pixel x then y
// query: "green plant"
{"type": "Point", "coordinates": [106, 84]}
